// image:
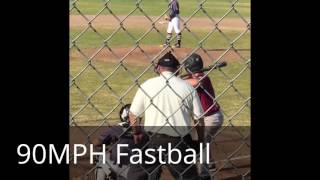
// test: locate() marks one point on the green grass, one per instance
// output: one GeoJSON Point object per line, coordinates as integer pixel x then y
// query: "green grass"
{"type": "Point", "coordinates": [121, 39]}
{"type": "Point", "coordinates": [215, 8]}
{"type": "Point", "coordinates": [105, 99]}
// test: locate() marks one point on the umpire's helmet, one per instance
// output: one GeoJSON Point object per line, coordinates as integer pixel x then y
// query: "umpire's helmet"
{"type": "Point", "coordinates": [193, 63]}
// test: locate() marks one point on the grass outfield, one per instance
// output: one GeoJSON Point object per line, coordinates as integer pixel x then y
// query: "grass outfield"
{"type": "Point", "coordinates": [215, 8]}
{"type": "Point", "coordinates": [105, 99]}
{"type": "Point", "coordinates": [121, 39]}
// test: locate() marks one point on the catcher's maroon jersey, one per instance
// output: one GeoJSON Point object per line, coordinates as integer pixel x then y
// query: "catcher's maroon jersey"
{"type": "Point", "coordinates": [206, 94]}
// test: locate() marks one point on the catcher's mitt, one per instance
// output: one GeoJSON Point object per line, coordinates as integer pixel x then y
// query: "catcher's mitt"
{"type": "Point", "coordinates": [167, 18]}
{"type": "Point", "coordinates": [124, 113]}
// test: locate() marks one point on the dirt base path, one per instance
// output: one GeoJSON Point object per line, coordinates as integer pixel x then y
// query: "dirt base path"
{"type": "Point", "coordinates": [138, 57]}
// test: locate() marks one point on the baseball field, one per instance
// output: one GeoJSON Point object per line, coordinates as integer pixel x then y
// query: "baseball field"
{"type": "Point", "coordinates": [112, 44]}
{"type": "Point", "coordinates": [110, 50]}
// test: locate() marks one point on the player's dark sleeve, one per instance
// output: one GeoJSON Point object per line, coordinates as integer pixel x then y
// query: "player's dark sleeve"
{"type": "Point", "coordinates": [210, 87]}
{"type": "Point", "coordinates": [173, 9]}
{"type": "Point", "coordinates": [124, 138]}
{"type": "Point", "coordinates": [111, 134]}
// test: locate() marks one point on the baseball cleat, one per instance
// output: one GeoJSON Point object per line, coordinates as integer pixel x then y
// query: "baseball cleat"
{"type": "Point", "coordinates": [164, 45]}
{"type": "Point", "coordinates": [177, 46]}
{"type": "Point", "coordinates": [212, 167]}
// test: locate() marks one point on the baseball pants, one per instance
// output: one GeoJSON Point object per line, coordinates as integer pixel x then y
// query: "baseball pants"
{"type": "Point", "coordinates": [109, 167]}
{"type": "Point", "coordinates": [174, 24]}
{"type": "Point", "coordinates": [212, 124]}
{"type": "Point", "coordinates": [153, 171]}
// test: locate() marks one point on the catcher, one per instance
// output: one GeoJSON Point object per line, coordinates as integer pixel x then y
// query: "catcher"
{"type": "Point", "coordinates": [213, 118]}
{"type": "Point", "coordinates": [173, 23]}
{"type": "Point", "coordinates": [119, 134]}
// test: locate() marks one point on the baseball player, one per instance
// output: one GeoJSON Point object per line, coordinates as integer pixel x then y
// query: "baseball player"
{"type": "Point", "coordinates": [119, 134]}
{"type": "Point", "coordinates": [174, 23]}
{"type": "Point", "coordinates": [165, 100]}
{"type": "Point", "coordinates": [213, 118]}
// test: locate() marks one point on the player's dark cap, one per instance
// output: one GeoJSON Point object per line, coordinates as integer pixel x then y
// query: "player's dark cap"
{"type": "Point", "coordinates": [168, 60]}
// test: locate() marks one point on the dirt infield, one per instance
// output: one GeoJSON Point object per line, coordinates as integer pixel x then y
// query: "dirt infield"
{"type": "Point", "coordinates": [110, 22]}
{"type": "Point", "coordinates": [226, 144]}
{"type": "Point", "coordinates": [141, 22]}
{"type": "Point", "coordinates": [137, 57]}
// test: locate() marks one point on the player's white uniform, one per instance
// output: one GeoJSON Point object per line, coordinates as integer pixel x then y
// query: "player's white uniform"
{"type": "Point", "coordinates": [174, 24]}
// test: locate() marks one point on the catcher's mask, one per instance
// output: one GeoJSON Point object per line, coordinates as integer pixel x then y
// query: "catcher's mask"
{"type": "Point", "coordinates": [124, 113]}
{"type": "Point", "coordinates": [193, 63]}
{"type": "Point", "coordinates": [168, 60]}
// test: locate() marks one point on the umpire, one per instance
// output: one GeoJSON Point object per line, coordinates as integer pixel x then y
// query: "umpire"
{"type": "Point", "coordinates": [170, 106]}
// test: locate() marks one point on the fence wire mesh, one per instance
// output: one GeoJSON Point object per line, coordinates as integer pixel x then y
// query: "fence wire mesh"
{"type": "Point", "coordinates": [114, 46]}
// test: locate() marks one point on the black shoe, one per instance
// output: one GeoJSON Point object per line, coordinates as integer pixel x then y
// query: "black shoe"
{"type": "Point", "coordinates": [212, 167]}
{"type": "Point", "coordinates": [164, 45]}
{"type": "Point", "coordinates": [177, 45]}
{"type": "Point", "coordinates": [206, 178]}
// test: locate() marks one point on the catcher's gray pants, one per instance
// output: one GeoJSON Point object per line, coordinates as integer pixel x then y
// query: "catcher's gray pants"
{"type": "Point", "coordinates": [212, 125]}
{"type": "Point", "coordinates": [105, 169]}
{"type": "Point", "coordinates": [153, 171]}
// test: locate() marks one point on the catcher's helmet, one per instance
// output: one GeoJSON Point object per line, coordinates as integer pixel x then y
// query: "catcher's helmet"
{"type": "Point", "coordinates": [124, 113]}
{"type": "Point", "coordinates": [193, 63]}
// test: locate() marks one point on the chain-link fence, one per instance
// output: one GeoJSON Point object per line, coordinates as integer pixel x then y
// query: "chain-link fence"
{"type": "Point", "coordinates": [115, 44]}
